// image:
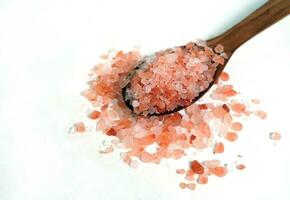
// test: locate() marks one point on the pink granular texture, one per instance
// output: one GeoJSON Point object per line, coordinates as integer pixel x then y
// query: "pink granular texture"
{"type": "Point", "coordinates": [174, 78]}
{"type": "Point", "coordinates": [172, 135]}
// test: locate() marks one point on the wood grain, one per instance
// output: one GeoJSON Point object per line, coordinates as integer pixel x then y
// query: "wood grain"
{"type": "Point", "coordinates": [259, 20]}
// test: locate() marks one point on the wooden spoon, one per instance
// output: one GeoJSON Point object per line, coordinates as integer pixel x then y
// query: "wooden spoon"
{"type": "Point", "coordinates": [259, 20]}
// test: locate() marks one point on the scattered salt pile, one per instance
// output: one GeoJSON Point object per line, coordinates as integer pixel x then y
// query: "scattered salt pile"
{"type": "Point", "coordinates": [199, 126]}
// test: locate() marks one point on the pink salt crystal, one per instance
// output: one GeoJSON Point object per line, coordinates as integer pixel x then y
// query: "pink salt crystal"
{"type": "Point", "coordinates": [135, 103]}
{"type": "Point", "coordinates": [226, 90]}
{"type": "Point", "coordinates": [191, 186]}
{"type": "Point", "coordinates": [94, 114]}
{"type": "Point", "coordinates": [203, 106]}
{"type": "Point", "coordinates": [228, 118]}
{"type": "Point", "coordinates": [211, 163]}
{"type": "Point", "coordinates": [134, 164]}
{"type": "Point", "coordinates": [236, 126]}
{"type": "Point", "coordinates": [182, 185]}
{"type": "Point", "coordinates": [188, 125]}
{"type": "Point", "coordinates": [231, 136]}
{"type": "Point", "coordinates": [180, 171]}
{"type": "Point", "coordinates": [219, 48]}
{"type": "Point", "coordinates": [164, 139]}
{"type": "Point", "coordinates": [219, 112]}
{"type": "Point", "coordinates": [111, 132]}
{"type": "Point", "coordinates": [224, 76]}
{"type": "Point", "coordinates": [275, 136]}
{"type": "Point", "coordinates": [196, 167]}
{"type": "Point", "coordinates": [219, 147]}
{"type": "Point", "coordinates": [237, 107]}
{"type": "Point", "coordinates": [189, 175]}
{"type": "Point", "coordinates": [218, 171]}
{"type": "Point", "coordinates": [104, 107]}
{"type": "Point", "coordinates": [146, 157]}
{"type": "Point", "coordinates": [240, 166]}
{"type": "Point", "coordinates": [178, 153]}
{"type": "Point", "coordinates": [261, 114]}
{"type": "Point", "coordinates": [80, 127]}
{"type": "Point", "coordinates": [204, 129]}
{"type": "Point", "coordinates": [202, 179]}
{"type": "Point", "coordinates": [171, 58]}
{"type": "Point", "coordinates": [146, 140]}
{"type": "Point", "coordinates": [219, 59]}
{"type": "Point", "coordinates": [90, 95]}
{"type": "Point", "coordinates": [189, 178]}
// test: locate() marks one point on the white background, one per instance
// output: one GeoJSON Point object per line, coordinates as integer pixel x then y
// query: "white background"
{"type": "Point", "coordinates": [46, 51]}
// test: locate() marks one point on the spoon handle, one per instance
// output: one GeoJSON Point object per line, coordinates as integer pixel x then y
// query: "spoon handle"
{"type": "Point", "coordinates": [259, 20]}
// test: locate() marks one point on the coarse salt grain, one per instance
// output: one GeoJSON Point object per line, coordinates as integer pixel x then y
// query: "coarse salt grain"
{"type": "Point", "coordinates": [240, 166]}
{"type": "Point", "coordinates": [80, 127]}
{"type": "Point", "coordinates": [275, 136]}
{"type": "Point", "coordinates": [182, 185]}
{"type": "Point", "coordinates": [224, 76]}
{"type": "Point", "coordinates": [231, 136]}
{"type": "Point", "coordinates": [260, 113]}
{"type": "Point", "coordinates": [191, 186]}
{"type": "Point", "coordinates": [219, 147]}
{"type": "Point", "coordinates": [180, 171]}
{"type": "Point", "coordinates": [196, 167]}
{"type": "Point", "coordinates": [94, 114]}
{"type": "Point", "coordinates": [202, 179]}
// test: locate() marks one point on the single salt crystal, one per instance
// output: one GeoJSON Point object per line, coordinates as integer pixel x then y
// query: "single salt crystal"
{"type": "Point", "coordinates": [192, 61]}
{"type": "Point", "coordinates": [200, 42]}
{"type": "Point", "coordinates": [180, 171]}
{"type": "Point", "coordinates": [147, 88]}
{"type": "Point", "coordinates": [191, 186]}
{"type": "Point", "coordinates": [145, 81]}
{"type": "Point", "coordinates": [134, 164]}
{"type": "Point", "coordinates": [204, 67]}
{"type": "Point", "coordinates": [171, 58]}
{"type": "Point", "coordinates": [261, 114]}
{"type": "Point", "coordinates": [135, 103]}
{"type": "Point", "coordinates": [182, 185]}
{"type": "Point", "coordinates": [178, 86]}
{"type": "Point", "coordinates": [219, 48]}
{"type": "Point", "coordinates": [80, 127]}
{"type": "Point", "coordinates": [211, 163]}
{"type": "Point", "coordinates": [204, 58]}
{"type": "Point", "coordinates": [240, 166]}
{"type": "Point", "coordinates": [275, 136]}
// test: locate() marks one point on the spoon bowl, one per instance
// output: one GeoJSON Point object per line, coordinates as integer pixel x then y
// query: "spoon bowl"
{"type": "Point", "coordinates": [259, 20]}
